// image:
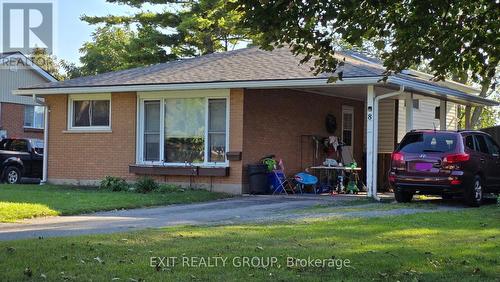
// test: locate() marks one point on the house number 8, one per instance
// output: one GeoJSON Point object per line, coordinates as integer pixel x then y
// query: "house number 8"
{"type": "Point", "coordinates": [370, 116]}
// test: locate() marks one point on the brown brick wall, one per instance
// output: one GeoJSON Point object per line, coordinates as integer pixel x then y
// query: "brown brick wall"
{"type": "Point", "coordinates": [91, 156]}
{"type": "Point", "coordinates": [12, 120]}
{"type": "Point", "coordinates": [275, 120]}
{"type": "Point", "coordinates": [261, 122]}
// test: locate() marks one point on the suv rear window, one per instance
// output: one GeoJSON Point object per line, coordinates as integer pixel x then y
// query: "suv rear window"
{"type": "Point", "coordinates": [428, 142]}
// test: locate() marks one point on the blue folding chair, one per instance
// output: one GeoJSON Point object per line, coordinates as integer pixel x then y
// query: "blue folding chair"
{"type": "Point", "coordinates": [279, 183]}
{"type": "Point", "coordinates": [305, 179]}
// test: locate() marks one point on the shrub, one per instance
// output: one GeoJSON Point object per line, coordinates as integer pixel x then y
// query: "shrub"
{"type": "Point", "coordinates": [114, 184]}
{"type": "Point", "coordinates": [169, 188]}
{"type": "Point", "coordinates": [146, 184]}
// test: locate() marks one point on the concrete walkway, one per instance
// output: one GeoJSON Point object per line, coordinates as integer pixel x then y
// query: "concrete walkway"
{"type": "Point", "coordinates": [235, 210]}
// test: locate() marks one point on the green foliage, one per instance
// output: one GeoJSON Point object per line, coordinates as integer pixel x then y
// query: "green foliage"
{"type": "Point", "coordinates": [114, 184]}
{"type": "Point", "coordinates": [11, 212]}
{"type": "Point", "coordinates": [457, 39]}
{"type": "Point", "coordinates": [169, 188]}
{"type": "Point", "coordinates": [118, 48]}
{"type": "Point", "coordinates": [146, 184]}
{"type": "Point", "coordinates": [182, 29]}
{"type": "Point", "coordinates": [48, 62]}
{"type": "Point", "coordinates": [448, 37]}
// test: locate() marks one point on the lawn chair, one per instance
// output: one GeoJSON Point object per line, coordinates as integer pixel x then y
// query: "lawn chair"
{"type": "Point", "coordinates": [280, 184]}
{"type": "Point", "coordinates": [305, 179]}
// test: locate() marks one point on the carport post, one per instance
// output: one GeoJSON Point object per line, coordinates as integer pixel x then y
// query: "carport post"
{"type": "Point", "coordinates": [442, 114]}
{"type": "Point", "coordinates": [370, 98]}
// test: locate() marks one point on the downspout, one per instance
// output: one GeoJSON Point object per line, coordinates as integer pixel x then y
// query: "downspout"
{"type": "Point", "coordinates": [375, 136]}
{"type": "Point", "coordinates": [45, 139]}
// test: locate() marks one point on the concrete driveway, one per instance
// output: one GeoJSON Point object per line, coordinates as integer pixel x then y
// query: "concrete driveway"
{"type": "Point", "coordinates": [235, 210]}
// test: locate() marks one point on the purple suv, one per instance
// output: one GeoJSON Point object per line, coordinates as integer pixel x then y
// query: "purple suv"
{"type": "Point", "coordinates": [446, 163]}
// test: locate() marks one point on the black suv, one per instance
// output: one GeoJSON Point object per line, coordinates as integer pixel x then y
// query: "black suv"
{"type": "Point", "coordinates": [446, 163]}
{"type": "Point", "coordinates": [20, 158]}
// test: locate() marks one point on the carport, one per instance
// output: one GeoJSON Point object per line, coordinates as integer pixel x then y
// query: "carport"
{"type": "Point", "coordinates": [407, 87]}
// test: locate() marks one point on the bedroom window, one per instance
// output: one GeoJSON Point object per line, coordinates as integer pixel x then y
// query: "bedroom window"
{"type": "Point", "coordinates": [92, 112]}
{"type": "Point", "coordinates": [181, 131]}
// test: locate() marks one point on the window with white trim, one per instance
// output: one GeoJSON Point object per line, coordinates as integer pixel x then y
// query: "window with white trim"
{"type": "Point", "coordinates": [34, 116]}
{"type": "Point", "coordinates": [180, 131]}
{"type": "Point", "coordinates": [91, 112]}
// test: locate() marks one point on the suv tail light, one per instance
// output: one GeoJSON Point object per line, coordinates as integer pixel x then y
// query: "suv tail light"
{"type": "Point", "coordinates": [456, 158]}
{"type": "Point", "coordinates": [398, 160]}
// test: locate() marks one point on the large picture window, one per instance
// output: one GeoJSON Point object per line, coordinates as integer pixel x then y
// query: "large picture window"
{"type": "Point", "coordinates": [184, 130]}
{"type": "Point", "coordinates": [90, 113]}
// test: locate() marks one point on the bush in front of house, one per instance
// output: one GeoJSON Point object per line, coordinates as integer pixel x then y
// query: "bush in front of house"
{"type": "Point", "coordinates": [114, 184]}
{"type": "Point", "coordinates": [146, 184]}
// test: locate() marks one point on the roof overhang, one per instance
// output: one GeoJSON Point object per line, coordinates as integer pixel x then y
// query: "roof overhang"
{"type": "Point", "coordinates": [423, 88]}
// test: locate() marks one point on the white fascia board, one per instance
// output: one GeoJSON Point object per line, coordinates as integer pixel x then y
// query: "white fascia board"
{"type": "Point", "coordinates": [436, 91]}
{"type": "Point", "coordinates": [32, 65]}
{"type": "Point", "coordinates": [452, 84]}
{"type": "Point", "coordinates": [201, 85]}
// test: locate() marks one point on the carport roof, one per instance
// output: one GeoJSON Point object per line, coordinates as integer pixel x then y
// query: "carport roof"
{"type": "Point", "coordinates": [249, 67]}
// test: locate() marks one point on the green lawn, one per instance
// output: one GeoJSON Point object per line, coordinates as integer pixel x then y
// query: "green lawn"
{"type": "Point", "coordinates": [26, 201]}
{"type": "Point", "coordinates": [454, 246]}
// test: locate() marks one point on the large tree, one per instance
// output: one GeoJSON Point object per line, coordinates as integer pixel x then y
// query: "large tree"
{"type": "Point", "coordinates": [183, 27]}
{"type": "Point", "coordinates": [118, 48]}
{"type": "Point", "coordinates": [48, 62]}
{"type": "Point", "coordinates": [456, 39]}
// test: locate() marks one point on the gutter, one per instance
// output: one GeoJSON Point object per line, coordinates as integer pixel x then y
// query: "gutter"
{"type": "Point", "coordinates": [45, 139]}
{"type": "Point", "coordinates": [375, 136]}
{"type": "Point", "coordinates": [438, 92]}
{"type": "Point", "coordinates": [199, 85]}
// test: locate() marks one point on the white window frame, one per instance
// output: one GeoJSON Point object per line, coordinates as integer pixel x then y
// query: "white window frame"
{"type": "Point", "coordinates": [94, 97]}
{"type": "Point", "coordinates": [162, 96]}
{"type": "Point", "coordinates": [34, 117]}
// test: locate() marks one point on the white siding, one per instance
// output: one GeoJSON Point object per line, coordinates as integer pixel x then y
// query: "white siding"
{"type": "Point", "coordinates": [423, 118]}
{"type": "Point", "coordinates": [11, 80]}
{"type": "Point", "coordinates": [387, 111]}
{"type": "Point", "coordinates": [401, 120]}
{"type": "Point", "coordinates": [451, 116]}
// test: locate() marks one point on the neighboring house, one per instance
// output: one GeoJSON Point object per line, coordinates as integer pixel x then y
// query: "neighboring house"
{"type": "Point", "coordinates": [201, 121]}
{"type": "Point", "coordinates": [20, 116]}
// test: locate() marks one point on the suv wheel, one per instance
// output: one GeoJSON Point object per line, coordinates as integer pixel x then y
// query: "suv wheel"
{"type": "Point", "coordinates": [474, 192]}
{"type": "Point", "coordinates": [403, 196]}
{"type": "Point", "coordinates": [12, 175]}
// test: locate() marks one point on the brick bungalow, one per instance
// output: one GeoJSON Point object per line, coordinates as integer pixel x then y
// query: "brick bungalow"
{"type": "Point", "coordinates": [201, 121]}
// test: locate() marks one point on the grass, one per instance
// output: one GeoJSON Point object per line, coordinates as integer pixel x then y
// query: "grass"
{"type": "Point", "coordinates": [453, 246]}
{"type": "Point", "coordinates": [11, 212]}
{"type": "Point", "coordinates": [27, 201]}
{"type": "Point", "coordinates": [368, 205]}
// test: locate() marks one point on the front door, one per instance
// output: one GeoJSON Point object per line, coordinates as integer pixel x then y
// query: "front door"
{"type": "Point", "coordinates": [347, 134]}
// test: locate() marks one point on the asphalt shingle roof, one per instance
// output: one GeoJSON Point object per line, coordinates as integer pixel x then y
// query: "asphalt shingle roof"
{"type": "Point", "coordinates": [249, 64]}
